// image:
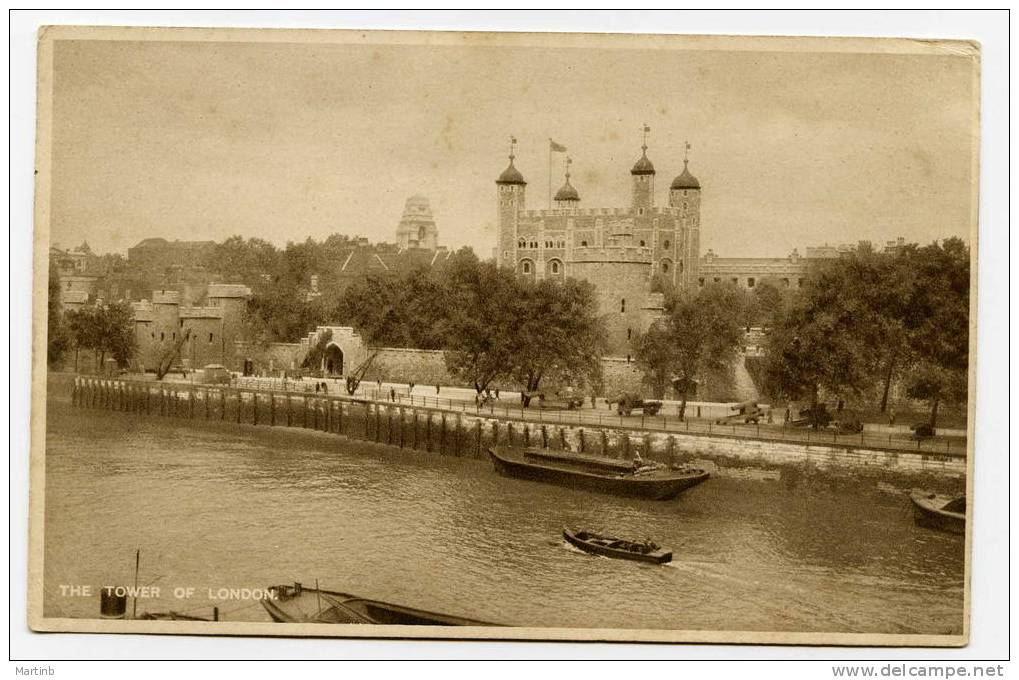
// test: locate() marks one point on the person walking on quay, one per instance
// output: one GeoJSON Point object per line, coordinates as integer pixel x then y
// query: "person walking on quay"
{"type": "Point", "coordinates": [436, 388]}
{"type": "Point", "coordinates": [788, 412]}
{"type": "Point", "coordinates": [771, 418]}
{"type": "Point", "coordinates": [891, 417]}
{"type": "Point", "coordinates": [392, 394]}
{"type": "Point", "coordinates": [497, 394]}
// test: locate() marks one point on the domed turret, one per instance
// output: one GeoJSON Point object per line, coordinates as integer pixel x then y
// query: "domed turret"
{"type": "Point", "coordinates": [567, 192]}
{"type": "Point", "coordinates": [511, 175]}
{"type": "Point", "coordinates": [567, 195]}
{"type": "Point", "coordinates": [643, 166]}
{"type": "Point", "coordinates": [685, 180]}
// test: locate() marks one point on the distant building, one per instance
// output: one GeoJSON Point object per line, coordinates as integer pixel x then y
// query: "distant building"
{"type": "Point", "coordinates": [790, 271]}
{"type": "Point", "coordinates": [417, 226]}
{"type": "Point", "coordinates": [160, 254]}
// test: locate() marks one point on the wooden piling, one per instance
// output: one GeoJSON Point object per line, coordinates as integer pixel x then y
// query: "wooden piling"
{"type": "Point", "coordinates": [254, 408]}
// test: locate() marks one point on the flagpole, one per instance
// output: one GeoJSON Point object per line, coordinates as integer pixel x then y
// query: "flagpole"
{"type": "Point", "coordinates": [549, 173]}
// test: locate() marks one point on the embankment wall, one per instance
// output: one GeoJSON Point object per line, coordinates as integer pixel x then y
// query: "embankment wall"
{"type": "Point", "coordinates": [469, 434]}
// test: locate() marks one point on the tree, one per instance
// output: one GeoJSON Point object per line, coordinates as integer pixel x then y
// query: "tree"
{"type": "Point", "coordinates": [104, 329]}
{"type": "Point", "coordinates": [403, 311]}
{"type": "Point", "coordinates": [936, 323]}
{"type": "Point", "coordinates": [57, 339]}
{"type": "Point", "coordinates": [481, 316]}
{"type": "Point", "coordinates": [700, 334]}
{"type": "Point", "coordinates": [826, 339]}
{"type": "Point", "coordinates": [277, 312]}
{"type": "Point", "coordinates": [558, 334]}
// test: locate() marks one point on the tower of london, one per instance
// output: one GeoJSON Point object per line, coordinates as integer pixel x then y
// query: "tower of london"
{"type": "Point", "coordinates": [622, 251]}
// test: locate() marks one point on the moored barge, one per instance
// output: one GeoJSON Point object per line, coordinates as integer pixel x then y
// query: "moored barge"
{"type": "Point", "coordinates": [604, 475]}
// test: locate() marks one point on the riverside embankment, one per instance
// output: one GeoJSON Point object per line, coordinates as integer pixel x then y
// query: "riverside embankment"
{"type": "Point", "coordinates": [471, 433]}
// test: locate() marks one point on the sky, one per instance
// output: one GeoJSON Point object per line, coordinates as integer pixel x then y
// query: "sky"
{"type": "Point", "coordinates": [285, 141]}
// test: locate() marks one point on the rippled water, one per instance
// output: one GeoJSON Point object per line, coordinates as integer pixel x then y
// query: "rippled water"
{"type": "Point", "coordinates": [221, 505]}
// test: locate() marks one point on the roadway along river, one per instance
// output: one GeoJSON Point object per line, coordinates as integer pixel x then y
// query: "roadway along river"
{"type": "Point", "coordinates": [231, 506]}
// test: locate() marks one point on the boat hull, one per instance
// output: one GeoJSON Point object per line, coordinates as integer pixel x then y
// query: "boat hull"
{"type": "Point", "coordinates": [657, 557]}
{"type": "Point", "coordinates": [927, 512]}
{"type": "Point", "coordinates": [662, 485]}
{"type": "Point", "coordinates": [308, 605]}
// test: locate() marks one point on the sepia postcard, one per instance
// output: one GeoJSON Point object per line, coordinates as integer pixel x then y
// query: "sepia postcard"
{"type": "Point", "coordinates": [504, 335]}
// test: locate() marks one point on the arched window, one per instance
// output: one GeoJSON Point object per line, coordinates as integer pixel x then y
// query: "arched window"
{"type": "Point", "coordinates": [665, 266]}
{"type": "Point", "coordinates": [210, 337]}
{"type": "Point", "coordinates": [680, 266]}
{"type": "Point", "coordinates": [642, 244]}
{"type": "Point", "coordinates": [622, 305]}
{"type": "Point", "coordinates": [555, 266]}
{"type": "Point", "coordinates": [526, 266]}
{"type": "Point", "coordinates": [666, 244]}
{"type": "Point", "coordinates": [629, 333]}
{"type": "Point", "coordinates": [583, 243]}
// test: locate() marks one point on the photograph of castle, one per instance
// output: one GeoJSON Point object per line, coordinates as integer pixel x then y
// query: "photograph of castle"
{"type": "Point", "coordinates": [544, 336]}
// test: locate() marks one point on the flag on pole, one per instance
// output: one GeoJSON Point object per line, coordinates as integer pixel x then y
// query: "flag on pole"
{"type": "Point", "coordinates": [555, 146]}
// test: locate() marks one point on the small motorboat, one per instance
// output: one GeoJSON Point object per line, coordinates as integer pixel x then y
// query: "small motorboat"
{"type": "Point", "coordinates": [939, 512]}
{"type": "Point", "coordinates": [608, 546]}
{"type": "Point", "coordinates": [298, 604]}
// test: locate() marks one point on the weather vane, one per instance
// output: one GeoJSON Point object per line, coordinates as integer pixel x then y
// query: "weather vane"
{"type": "Point", "coordinates": [513, 142]}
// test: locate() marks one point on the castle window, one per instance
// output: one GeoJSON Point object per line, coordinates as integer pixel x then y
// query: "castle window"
{"type": "Point", "coordinates": [718, 280]}
{"type": "Point", "coordinates": [700, 282]}
{"type": "Point", "coordinates": [583, 243]}
{"type": "Point", "coordinates": [622, 305]}
{"type": "Point", "coordinates": [555, 267]}
{"type": "Point", "coordinates": [162, 336]}
{"type": "Point", "coordinates": [684, 192]}
{"type": "Point", "coordinates": [750, 283]}
{"type": "Point", "coordinates": [665, 267]}
{"type": "Point", "coordinates": [68, 285]}
{"type": "Point", "coordinates": [785, 283]}
{"type": "Point", "coordinates": [153, 335]}
{"type": "Point", "coordinates": [642, 243]}
{"type": "Point", "coordinates": [799, 283]}
{"type": "Point", "coordinates": [640, 211]}
{"type": "Point", "coordinates": [735, 281]}
{"type": "Point", "coordinates": [629, 333]}
{"type": "Point", "coordinates": [525, 266]}
{"type": "Point", "coordinates": [173, 336]}
{"type": "Point", "coordinates": [684, 205]}
{"type": "Point", "coordinates": [681, 267]}
{"type": "Point", "coordinates": [666, 244]}
{"type": "Point", "coordinates": [182, 323]}
{"type": "Point", "coordinates": [210, 337]}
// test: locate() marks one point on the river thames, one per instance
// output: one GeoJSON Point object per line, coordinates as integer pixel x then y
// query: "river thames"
{"type": "Point", "coordinates": [226, 507]}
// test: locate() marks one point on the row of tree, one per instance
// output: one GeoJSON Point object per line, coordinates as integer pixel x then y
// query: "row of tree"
{"type": "Point", "coordinates": [868, 319]}
{"type": "Point", "coordinates": [493, 326]}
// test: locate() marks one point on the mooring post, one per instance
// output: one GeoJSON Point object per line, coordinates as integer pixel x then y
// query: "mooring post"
{"type": "Point", "coordinates": [495, 433]}
{"type": "Point", "coordinates": [289, 407]}
{"type": "Point", "coordinates": [544, 437]}
{"type": "Point", "coordinates": [254, 408]}
{"type": "Point", "coordinates": [222, 404]}
{"type": "Point", "coordinates": [509, 434]}
{"type": "Point", "coordinates": [329, 415]}
{"type": "Point", "coordinates": [272, 409]}
{"type": "Point", "coordinates": [339, 425]}
{"type": "Point", "coordinates": [527, 435]}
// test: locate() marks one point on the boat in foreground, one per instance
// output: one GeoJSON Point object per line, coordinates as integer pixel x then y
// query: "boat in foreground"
{"type": "Point", "coordinates": [606, 475]}
{"type": "Point", "coordinates": [939, 512]}
{"type": "Point", "coordinates": [298, 604]}
{"type": "Point", "coordinates": [608, 546]}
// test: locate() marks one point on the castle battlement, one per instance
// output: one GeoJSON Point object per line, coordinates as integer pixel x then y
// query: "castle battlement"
{"type": "Point", "coordinates": [598, 212]}
{"type": "Point", "coordinates": [636, 254]}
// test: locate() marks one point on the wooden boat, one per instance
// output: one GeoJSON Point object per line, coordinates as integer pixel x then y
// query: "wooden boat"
{"type": "Point", "coordinates": [298, 604]}
{"type": "Point", "coordinates": [588, 541]}
{"type": "Point", "coordinates": [606, 475]}
{"type": "Point", "coordinates": [939, 512]}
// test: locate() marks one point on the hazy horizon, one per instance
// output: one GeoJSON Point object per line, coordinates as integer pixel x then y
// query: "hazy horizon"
{"type": "Point", "coordinates": [286, 141]}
